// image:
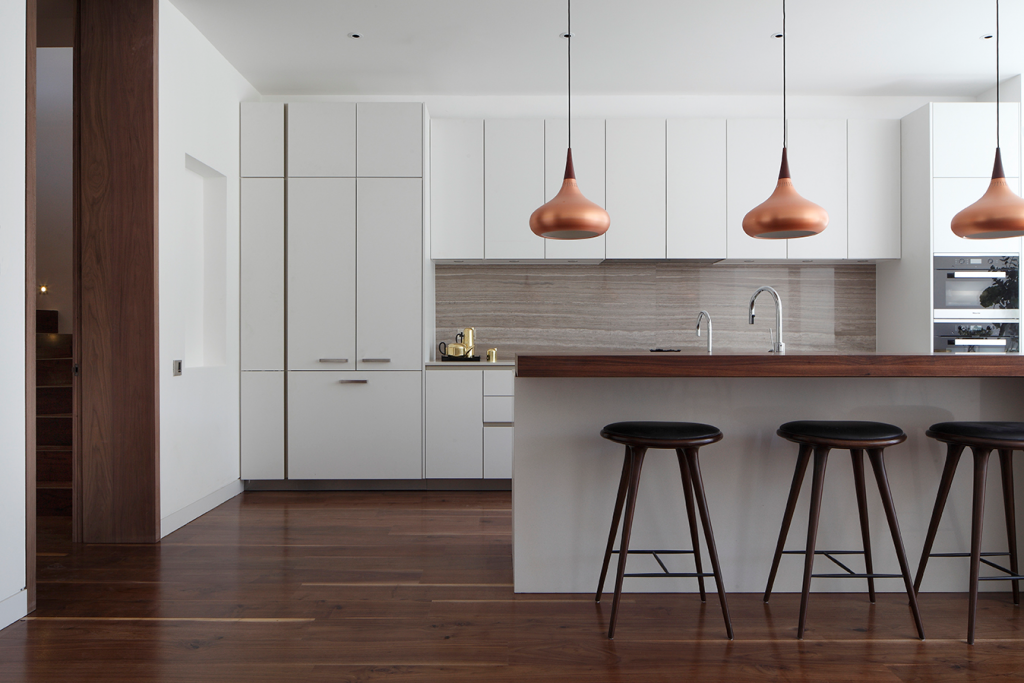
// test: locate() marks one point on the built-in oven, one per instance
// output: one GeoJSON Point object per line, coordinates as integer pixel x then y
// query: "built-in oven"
{"type": "Point", "coordinates": [977, 337]}
{"type": "Point", "coordinates": [977, 287]}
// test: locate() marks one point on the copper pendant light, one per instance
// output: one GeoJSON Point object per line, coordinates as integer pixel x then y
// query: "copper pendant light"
{"type": "Point", "coordinates": [569, 215]}
{"type": "Point", "coordinates": [1000, 212]}
{"type": "Point", "coordinates": [785, 215]}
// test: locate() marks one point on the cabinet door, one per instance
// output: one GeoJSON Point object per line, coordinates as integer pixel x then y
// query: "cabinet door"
{"type": "Point", "coordinates": [262, 274]}
{"type": "Point", "coordinates": [817, 160]}
{"type": "Point", "coordinates": [964, 139]}
{"type": "Point", "coordinates": [754, 156]}
{"type": "Point", "coordinates": [262, 422]}
{"type": "Point", "coordinates": [949, 197]}
{"type": "Point", "coordinates": [322, 140]}
{"type": "Point", "coordinates": [498, 448]}
{"type": "Point", "coordinates": [635, 190]}
{"type": "Point", "coordinates": [513, 187]}
{"type": "Point", "coordinates": [696, 186]}
{"type": "Point", "coordinates": [456, 189]}
{"type": "Point", "coordinates": [321, 273]}
{"type": "Point", "coordinates": [455, 437]}
{"type": "Point", "coordinates": [262, 140]}
{"type": "Point", "coordinates": [389, 287]}
{"type": "Point", "coordinates": [355, 425]}
{"type": "Point", "coordinates": [874, 201]}
{"type": "Point", "coordinates": [588, 160]}
{"type": "Point", "coordinates": [389, 139]}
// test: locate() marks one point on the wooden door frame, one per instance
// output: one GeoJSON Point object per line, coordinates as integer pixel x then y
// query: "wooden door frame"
{"type": "Point", "coordinates": [30, 303]}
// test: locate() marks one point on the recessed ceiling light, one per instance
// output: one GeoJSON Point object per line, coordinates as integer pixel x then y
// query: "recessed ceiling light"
{"type": "Point", "coordinates": [355, 35]}
{"type": "Point", "coordinates": [566, 35]}
{"type": "Point", "coordinates": [987, 36]}
{"type": "Point", "coordinates": [777, 35]}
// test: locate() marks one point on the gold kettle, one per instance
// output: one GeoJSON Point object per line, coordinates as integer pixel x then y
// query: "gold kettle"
{"type": "Point", "coordinates": [455, 350]}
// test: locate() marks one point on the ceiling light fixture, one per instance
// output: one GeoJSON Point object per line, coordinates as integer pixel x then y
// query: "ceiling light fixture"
{"type": "Point", "coordinates": [999, 212]}
{"type": "Point", "coordinates": [785, 215]}
{"type": "Point", "coordinates": [569, 215]}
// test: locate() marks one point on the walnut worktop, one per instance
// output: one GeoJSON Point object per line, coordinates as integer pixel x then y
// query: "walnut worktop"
{"type": "Point", "coordinates": [766, 365]}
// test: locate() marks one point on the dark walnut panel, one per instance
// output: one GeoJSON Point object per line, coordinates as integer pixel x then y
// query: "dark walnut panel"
{"type": "Point", "coordinates": [940, 365]}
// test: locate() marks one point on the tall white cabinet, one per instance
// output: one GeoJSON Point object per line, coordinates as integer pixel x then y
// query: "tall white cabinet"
{"type": "Point", "coordinates": [332, 372]}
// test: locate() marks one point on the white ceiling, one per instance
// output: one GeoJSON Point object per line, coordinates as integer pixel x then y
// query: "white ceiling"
{"type": "Point", "coordinates": [512, 47]}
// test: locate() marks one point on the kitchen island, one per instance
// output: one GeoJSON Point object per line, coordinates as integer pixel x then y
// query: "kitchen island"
{"type": "Point", "coordinates": [565, 476]}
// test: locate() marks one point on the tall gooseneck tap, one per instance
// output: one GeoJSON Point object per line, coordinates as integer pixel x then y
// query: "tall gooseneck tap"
{"type": "Point", "coordinates": [702, 316]}
{"type": "Point", "coordinates": [778, 347]}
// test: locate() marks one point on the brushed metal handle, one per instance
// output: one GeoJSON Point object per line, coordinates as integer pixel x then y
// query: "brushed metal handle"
{"type": "Point", "coordinates": [353, 381]}
{"type": "Point", "coordinates": [334, 360]}
{"type": "Point", "coordinates": [376, 360]}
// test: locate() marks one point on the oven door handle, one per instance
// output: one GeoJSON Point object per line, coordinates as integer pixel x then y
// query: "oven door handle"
{"type": "Point", "coordinates": [977, 274]}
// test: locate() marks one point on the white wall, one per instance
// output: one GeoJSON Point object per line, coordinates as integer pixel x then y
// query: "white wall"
{"type": "Point", "coordinates": [199, 417]}
{"type": "Point", "coordinates": [13, 603]}
{"type": "Point", "coordinates": [54, 180]}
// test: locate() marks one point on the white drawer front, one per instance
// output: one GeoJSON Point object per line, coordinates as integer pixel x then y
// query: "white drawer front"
{"type": "Point", "coordinates": [498, 442]}
{"type": "Point", "coordinates": [498, 409]}
{"type": "Point", "coordinates": [499, 382]}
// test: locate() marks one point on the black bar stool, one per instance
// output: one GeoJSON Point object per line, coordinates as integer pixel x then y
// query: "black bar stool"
{"type": "Point", "coordinates": [820, 437]}
{"type": "Point", "coordinates": [686, 438]}
{"type": "Point", "coordinates": [983, 438]}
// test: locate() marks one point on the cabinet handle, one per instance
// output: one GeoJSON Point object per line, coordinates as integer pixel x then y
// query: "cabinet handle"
{"type": "Point", "coordinates": [376, 360]}
{"type": "Point", "coordinates": [353, 381]}
{"type": "Point", "coordinates": [334, 360]}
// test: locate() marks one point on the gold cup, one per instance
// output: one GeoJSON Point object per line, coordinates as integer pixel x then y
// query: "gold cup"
{"type": "Point", "coordinates": [492, 355]}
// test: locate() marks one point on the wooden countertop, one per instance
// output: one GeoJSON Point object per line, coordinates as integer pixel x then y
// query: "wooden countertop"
{"type": "Point", "coordinates": [766, 365]}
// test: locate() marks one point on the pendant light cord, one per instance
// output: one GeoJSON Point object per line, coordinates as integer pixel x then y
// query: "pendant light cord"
{"type": "Point", "coordinates": [568, 65]}
{"type": "Point", "coordinates": [785, 127]}
{"type": "Point", "coordinates": [997, 74]}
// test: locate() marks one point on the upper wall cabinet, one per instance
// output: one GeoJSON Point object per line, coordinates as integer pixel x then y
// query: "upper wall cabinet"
{"type": "Point", "coordinates": [964, 139]}
{"type": "Point", "coordinates": [456, 189]}
{"type": "Point", "coordinates": [873, 202]}
{"type": "Point", "coordinates": [322, 140]}
{"type": "Point", "coordinates": [817, 159]}
{"type": "Point", "coordinates": [635, 188]}
{"type": "Point", "coordinates": [262, 135]}
{"type": "Point", "coordinates": [588, 161]}
{"type": "Point", "coordinates": [754, 155]}
{"type": "Point", "coordinates": [513, 187]}
{"type": "Point", "coordinates": [696, 189]}
{"type": "Point", "coordinates": [389, 140]}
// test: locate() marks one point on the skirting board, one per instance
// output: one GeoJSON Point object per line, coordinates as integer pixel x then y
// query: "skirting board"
{"type": "Point", "coordinates": [378, 485]}
{"type": "Point", "coordinates": [176, 520]}
{"type": "Point", "coordinates": [13, 608]}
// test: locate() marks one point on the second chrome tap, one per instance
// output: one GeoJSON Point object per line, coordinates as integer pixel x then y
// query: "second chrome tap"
{"type": "Point", "coordinates": [702, 316]}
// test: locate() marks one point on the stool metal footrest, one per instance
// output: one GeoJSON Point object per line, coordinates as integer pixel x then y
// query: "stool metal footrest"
{"type": "Point", "coordinates": [1010, 576]}
{"type": "Point", "coordinates": [847, 572]}
{"type": "Point", "coordinates": [664, 570]}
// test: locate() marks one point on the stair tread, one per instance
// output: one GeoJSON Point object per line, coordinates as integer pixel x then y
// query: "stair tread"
{"type": "Point", "coordinates": [53, 484]}
{"type": "Point", "coordinates": [55, 415]}
{"type": "Point", "coordinates": [52, 449]}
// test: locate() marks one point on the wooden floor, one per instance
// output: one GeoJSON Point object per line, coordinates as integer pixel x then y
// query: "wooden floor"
{"type": "Point", "coordinates": [417, 586]}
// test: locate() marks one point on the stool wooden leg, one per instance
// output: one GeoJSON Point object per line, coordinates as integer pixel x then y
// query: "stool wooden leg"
{"type": "Point", "coordinates": [862, 506]}
{"type": "Point", "coordinates": [691, 516]}
{"type": "Point", "coordinates": [709, 536]}
{"type": "Point", "coordinates": [875, 455]}
{"type": "Point", "coordinates": [953, 452]}
{"type": "Point", "coordinates": [620, 497]}
{"type": "Point", "coordinates": [977, 524]}
{"type": "Point", "coordinates": [794, 493]}
{"type": "Point", "coordinates": [637, 461]}
{"type": "Point", "coordinates": [817, 483]}
{"type": "Point", "coordinates": [1006, 468]}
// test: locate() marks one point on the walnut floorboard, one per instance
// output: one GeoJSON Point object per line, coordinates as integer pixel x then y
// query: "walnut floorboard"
{"type": "Point", "coordinates": [334, 587]}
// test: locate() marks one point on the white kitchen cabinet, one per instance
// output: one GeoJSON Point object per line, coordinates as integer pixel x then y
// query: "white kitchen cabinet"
{"type": "Point", "coordinates": [499, 382]}
{"type": "Point", "coordinates": [499, 409]}
{"type": "Point", "coordinates": [635, 188]}
{"type": "Point", "coordinates": [455, 431]}
{"type": "Point", "coordinates": [964, 139]}
{"type": "Point", "coordinates": [322, 140]}
{"type": "Point", "coordinates": [696, 189]}
{"type": "Point", "coordinates": [874, 186]}
{"type": "Point", "coordinates": [949, 197]}
{"type": "Point", "coordinates": [817, 160]}
{"type": "Point", "coordinates": [456, 189]}
{"type": "Point", "coordinates": [262, 425]}
{"type": "Point", "coordinates": [262, 274]}
{"type": "Point", "coordinates": [321, 273]}
{"type": "Point", "coordinates": [513, 187]}
{"type": "Point", "coordinates": [389, 283]}
{"type": "Point", "coordinates": [499, 392]}
{"type": "Point", "coordinates": [389, 140]}
{"type": "Point", "coordinates": [588, 161]}
{"type": "Point", "coordinates": [262, 140]}
{"type": "Point", "coordinates": [354, 425]}
{"type": "Point", "coordinates": [754, 153]}
{"type": "Point", "coordinates": [498, 448]}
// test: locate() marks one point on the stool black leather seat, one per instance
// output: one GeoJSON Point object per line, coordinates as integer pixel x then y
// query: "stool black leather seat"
{"type": "Point", "coordinates": [983, 438]}
{"type": "Point", "coordinates": [820, 437]}
{"type": "Point", "coordinates": [685, 438]}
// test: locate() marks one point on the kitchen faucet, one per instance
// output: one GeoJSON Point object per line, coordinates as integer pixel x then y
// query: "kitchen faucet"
{"type": "Point", "coordinates": [778, 347]}
{"type": "Point", "coordinates": [701, 316]}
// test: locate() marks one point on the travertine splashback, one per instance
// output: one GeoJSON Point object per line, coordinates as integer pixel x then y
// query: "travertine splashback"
{"type": "Point", "coordinates": [636, 306]}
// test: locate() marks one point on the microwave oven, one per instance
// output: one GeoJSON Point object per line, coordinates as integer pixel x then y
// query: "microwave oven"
{"type": "Point", "coordinates": [977, 287]}
{"type": "Point", "coordinates": [977, 337]}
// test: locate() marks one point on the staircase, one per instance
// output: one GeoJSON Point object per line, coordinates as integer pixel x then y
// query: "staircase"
{"type": "Point", "coordinates": [53, 417]}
